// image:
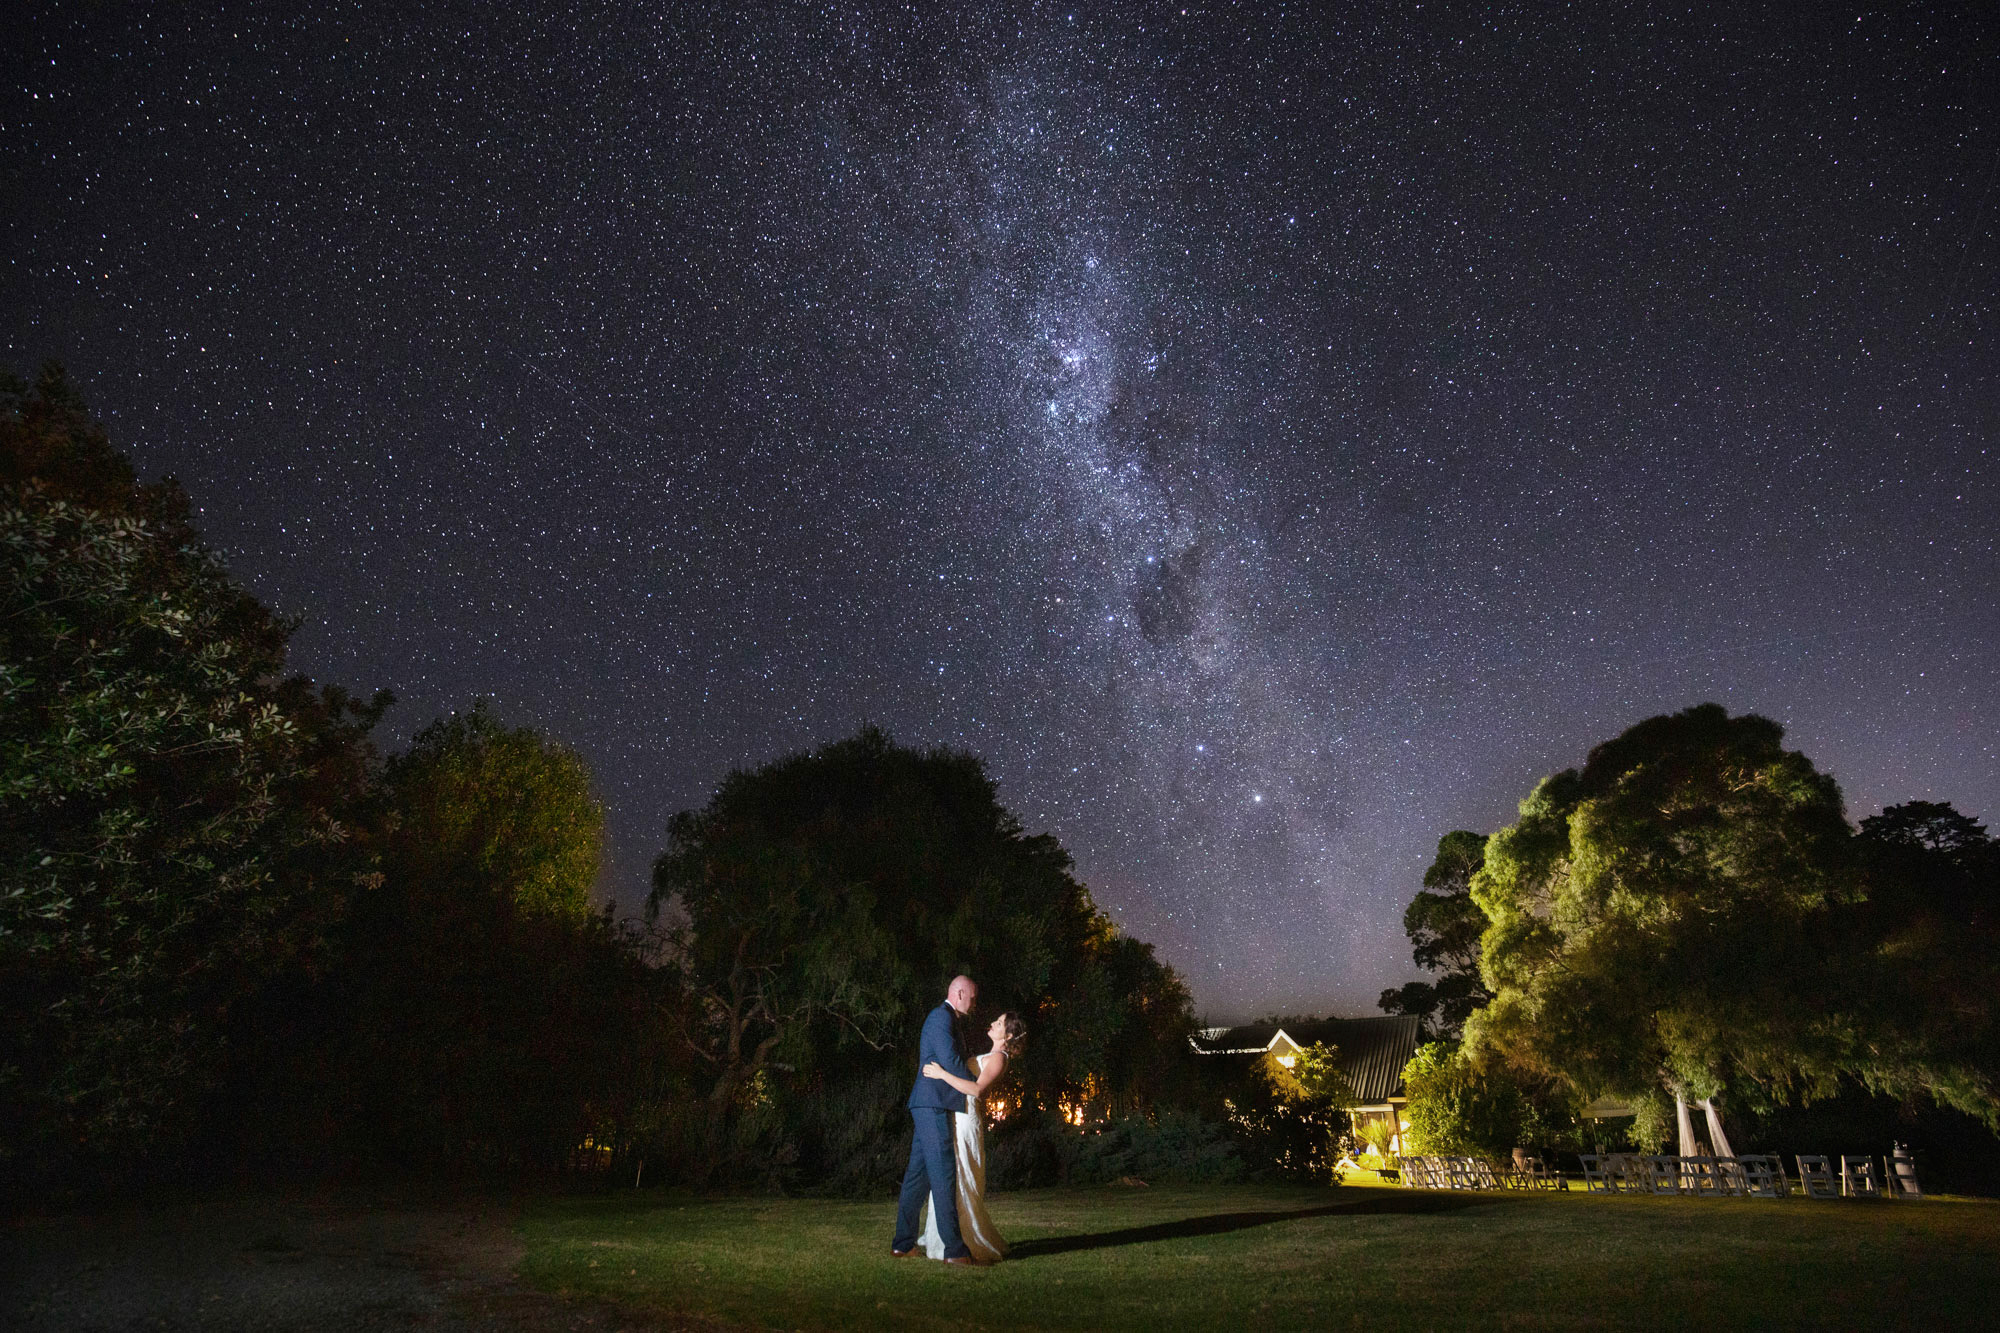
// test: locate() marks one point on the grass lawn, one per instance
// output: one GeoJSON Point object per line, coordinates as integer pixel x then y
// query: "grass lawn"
{"type": "Point", "coordinates": [1261, 1257]}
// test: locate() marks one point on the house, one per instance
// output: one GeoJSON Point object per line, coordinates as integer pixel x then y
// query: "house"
{"type": "Point", "coordinates": [1372, 1052]}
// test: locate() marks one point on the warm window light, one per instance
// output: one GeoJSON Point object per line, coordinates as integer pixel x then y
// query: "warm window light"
{"type": "Point", "coordinates": [1288, 1060]}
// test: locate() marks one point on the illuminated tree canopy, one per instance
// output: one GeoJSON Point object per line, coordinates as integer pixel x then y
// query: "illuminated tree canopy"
{"type": "Point", "coordinates": [1689, 911]}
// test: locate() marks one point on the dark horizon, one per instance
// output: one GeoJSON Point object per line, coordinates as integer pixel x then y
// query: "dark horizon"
{"type": "Point", "coordinates": [1269, 442]}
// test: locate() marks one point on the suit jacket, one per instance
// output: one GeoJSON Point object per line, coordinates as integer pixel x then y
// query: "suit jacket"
{"type": "Point", "coordinates": [939, 1043]}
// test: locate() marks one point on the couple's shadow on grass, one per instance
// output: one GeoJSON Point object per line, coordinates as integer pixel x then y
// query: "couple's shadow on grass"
{"type": "Point", "coordinates": [1216, 1224]}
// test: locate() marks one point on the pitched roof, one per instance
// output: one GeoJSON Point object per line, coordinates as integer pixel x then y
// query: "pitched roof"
{"type": "Point", "coordinates": [1373, 1051]}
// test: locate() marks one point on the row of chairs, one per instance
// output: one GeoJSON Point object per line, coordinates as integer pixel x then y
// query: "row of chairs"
{"type": "Point", "coordinates": [1855, 1178]}
{"type": "Point", "coordinates": [1472, 1173]}
{"type": "Point", "coordinates": [1758, 1176]}
{"type": "Point", "coordinates": [1447, 1173]}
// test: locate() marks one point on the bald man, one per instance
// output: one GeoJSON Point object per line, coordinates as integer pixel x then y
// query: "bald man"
{"type": "Point", "coordinates": [933, 1159]}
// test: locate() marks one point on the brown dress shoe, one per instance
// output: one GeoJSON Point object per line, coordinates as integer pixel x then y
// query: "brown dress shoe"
{"type": "Point", "coordinates": [967, 1261]}
{"type": "Point", "coordinates": [902, 1254]}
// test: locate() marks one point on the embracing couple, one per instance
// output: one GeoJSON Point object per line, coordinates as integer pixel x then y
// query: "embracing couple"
{"type": "Point", "coordinates": [948, 1154]}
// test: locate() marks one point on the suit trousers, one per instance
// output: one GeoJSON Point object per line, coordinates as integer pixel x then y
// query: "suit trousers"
{"type": "Point", "coordinates": [933, 1170]}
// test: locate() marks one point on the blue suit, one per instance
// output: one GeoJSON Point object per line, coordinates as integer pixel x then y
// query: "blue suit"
{"type": "Point", "coordinates": [933, 1168]}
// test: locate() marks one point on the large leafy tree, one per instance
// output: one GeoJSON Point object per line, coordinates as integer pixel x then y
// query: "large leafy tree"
{"type": "Point", "coordinates": [1445, 926]}
{"type": "Point", "coordinates": [1932, 921]}
{"type": "Point", "coordinates": [483, 1013]}
{"type": "Point", "coordinates": [495, 809]}
{"type": "Point", "coordinates": [1687, 912]}
{"type": "Point", "coordinates": [175, 813]}
{"type": "Point", "coordinates": [827, 898]}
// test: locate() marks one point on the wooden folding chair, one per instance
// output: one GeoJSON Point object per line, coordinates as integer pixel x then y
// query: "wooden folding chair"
{"type": "Point", "coordinates": [1763, 1177]}
{"type": "Point", "coordinates": [1857, 1178]}
{"type": "Point", "coordinates": [1663, 1174]}
{"type": "Point", "coordinates": [1816, 1178]}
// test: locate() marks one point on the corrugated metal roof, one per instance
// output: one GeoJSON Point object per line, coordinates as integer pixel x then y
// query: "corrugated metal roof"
{"type": "Point", "coordinates": [1373, 1051]}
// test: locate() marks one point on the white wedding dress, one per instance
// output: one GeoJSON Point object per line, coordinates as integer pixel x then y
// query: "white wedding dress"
{"type": "Point", "coordinates": [975, 1224]}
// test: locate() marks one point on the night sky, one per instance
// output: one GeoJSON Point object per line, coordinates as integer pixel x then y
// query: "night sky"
{"type": "Point", "coordinates": [1270, 440]}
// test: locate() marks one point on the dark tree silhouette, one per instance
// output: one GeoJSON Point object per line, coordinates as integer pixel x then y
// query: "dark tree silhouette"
{"type": "Point", "coordinates": [1444, 926]}
{"type": "Point", "coordinates": [175, 814]}
{"type": "Point", "coordinates": [828, 898]}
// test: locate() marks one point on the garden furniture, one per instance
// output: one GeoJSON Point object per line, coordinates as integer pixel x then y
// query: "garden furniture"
{"type": "Point", "coordinates": [1816, 1178]}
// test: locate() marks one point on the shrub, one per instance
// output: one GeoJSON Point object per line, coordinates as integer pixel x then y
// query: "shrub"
{"type": "Point", "coordinates": [1175, 1146]}
{"type": "Point", "coordinates": [1457, 1109]}
{"type": "Point", "coordinates": [1377, 1134]}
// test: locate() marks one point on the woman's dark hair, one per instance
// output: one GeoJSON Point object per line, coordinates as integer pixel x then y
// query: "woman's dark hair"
{"type": "Point", "coordinates": [1016, 1029]}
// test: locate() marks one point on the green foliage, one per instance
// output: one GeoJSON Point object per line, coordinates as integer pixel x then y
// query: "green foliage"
{"type": "Point", "coordinates": [1377, 1135]}
{"type": "Point", "coordinates": [472, 800]}
{"type": "Point", "coordinates": [1457, 1109]}
{"type": "Point", "coordinates": [1322, 1082]}
{"type": "Point", "coordinates": [1289, 1121]}
{"type": "Point", "coordinates": [174, 815]}
{"type": "Point", "coordinates": [825, 900]}
{"type": "Point", "coordinates": [1444, 926]}
{"type": "Point", "coordinates": [1927, 988]}
{"type": "Point", "coordinates": [215, 939]}
{"type": "Point", "coordinates": [1655, 1123]}
{"type": "Point", "coordinates": [1691, 911]}
{"type": "Point", "coordinates": [481, 1015]}
{"type": "Point", "coordinates": [1168, 1146]}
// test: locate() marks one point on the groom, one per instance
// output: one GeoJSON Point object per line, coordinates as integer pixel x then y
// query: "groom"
{"type": "Point", "coordinates": [933, 1158]}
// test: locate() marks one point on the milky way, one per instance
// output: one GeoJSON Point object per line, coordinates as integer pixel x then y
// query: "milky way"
{"type": "Point", "coordinates": [1271, 440]}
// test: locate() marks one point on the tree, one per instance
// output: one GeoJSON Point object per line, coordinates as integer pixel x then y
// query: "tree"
{"type": "Point", "coordinates": [1929, 827]}
{"type": "Point", "coordinates": [1289, 1116]}
{"type": "Point", "coordinates": [1924, 858]}
{"type": "Point", "coordinates": [1444, 926]}
{"type": "Point", "coordinates": [175, 814]}
{"type": "Point", "coordinates": [1687, 913]}
{"type": "Point", "coordinates": [1322, 1079]}
{"type": "Point", "coordinates": [506, 808]}
{"type": "Point", "coordinates": [1931, 921]}
{"type": "Point", "coordinates": [482, 1014]}
{"type": "Point", "coordinates": [1456, 1109]}
{"type": "Point", "coordinates": [827, 898]}
{"type": "Point", "coordinates": [1325, 1093]}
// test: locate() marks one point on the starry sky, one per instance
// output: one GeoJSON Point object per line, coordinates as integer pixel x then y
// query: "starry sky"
{"type": "Point", "coordinates": [1270, 437]}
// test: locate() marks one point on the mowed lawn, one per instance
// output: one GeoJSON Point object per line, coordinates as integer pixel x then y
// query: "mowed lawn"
{"type": "Point", "coordinates": [1251, 1258]}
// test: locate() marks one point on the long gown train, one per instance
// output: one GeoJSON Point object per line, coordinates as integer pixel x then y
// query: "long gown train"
{"type": "Point", "coordinates": [975, 1224]}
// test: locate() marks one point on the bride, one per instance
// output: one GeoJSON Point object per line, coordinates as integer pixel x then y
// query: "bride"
{"type": "Point", "coordinates": [973, 1221]}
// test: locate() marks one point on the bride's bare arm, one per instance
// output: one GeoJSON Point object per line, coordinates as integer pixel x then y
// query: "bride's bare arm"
{"type": "Point", "coordinates": [995, 1063]}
